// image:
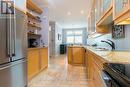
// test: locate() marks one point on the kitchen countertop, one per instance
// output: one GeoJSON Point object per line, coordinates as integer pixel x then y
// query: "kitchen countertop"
{"type": "Point", "coordinates": [37, 48]}
{"type": "Point", "coordinates": [75, 46]}
{"type": "Point", "coordinates": [112, 56]}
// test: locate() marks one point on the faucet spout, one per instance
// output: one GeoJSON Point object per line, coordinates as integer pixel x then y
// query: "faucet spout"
{"type": "Point", "coordinates": [112, 44]}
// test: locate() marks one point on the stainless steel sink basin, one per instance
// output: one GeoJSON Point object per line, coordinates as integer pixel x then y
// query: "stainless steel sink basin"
{"type": "Point", "coordinates": [101, 49]}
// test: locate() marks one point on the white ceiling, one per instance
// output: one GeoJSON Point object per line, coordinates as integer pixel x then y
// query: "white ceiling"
{"type": "Point", "coordinates": [58, 10]}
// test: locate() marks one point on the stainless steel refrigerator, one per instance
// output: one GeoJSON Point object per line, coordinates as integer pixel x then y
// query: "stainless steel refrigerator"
{"type": "Point", "coordinates": [13, 45]}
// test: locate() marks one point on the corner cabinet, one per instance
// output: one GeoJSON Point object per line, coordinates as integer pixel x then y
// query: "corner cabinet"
{"type": "Point", "coordinates": [121, 12]}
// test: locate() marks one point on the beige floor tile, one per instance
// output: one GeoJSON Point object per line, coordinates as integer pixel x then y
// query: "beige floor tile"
{"type": "Point", "coordinates": [60, 74]}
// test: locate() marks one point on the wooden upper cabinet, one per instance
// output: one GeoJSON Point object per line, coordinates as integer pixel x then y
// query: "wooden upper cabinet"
{"type": "Point", "coordinates": [97, 9]}
{"type": "Point", "coordinates": [121, 12]}
{"type": "Point", "coordinates": [91, 20]}
{"type": "Point", "coordinates": [103, 12]}
{"type": "Point", "coordinates": [91, 23]}
{"type": "Point", "coordinates": [104, 16]}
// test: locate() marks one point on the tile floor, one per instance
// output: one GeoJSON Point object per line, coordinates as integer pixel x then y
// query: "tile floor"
{"type": "Point", "coordinates": [60, 74]}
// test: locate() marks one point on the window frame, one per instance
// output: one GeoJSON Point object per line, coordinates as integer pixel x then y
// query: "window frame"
{"type": "Point", "coordinates": [74, 36]}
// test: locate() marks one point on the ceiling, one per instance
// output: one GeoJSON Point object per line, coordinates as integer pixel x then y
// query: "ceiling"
{"type": "Point", "coordinates": [67, 13]}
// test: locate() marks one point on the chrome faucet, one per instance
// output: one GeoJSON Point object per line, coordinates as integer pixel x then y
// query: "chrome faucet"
{"type": "Point", "coordinates": [110, 42]}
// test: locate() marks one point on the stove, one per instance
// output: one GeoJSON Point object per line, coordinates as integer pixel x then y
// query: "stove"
{"type": "Point", "coordinates": [120, 73]}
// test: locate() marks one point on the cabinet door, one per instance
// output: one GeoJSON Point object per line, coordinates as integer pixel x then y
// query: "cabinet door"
{"type": "Point", "coordinates": [97, 75]}
{"type": "Point", "coordinates": [44, 58]}
{"type": "Point", "coordinates": [69, 55]}
{"type": "Point", "coordinates": [98, 10]}
{"type": "Point", "coordinates": [77, 55]}
{"type": "Point", "coordinates": [33, 63]}
{"type": "Point", "coordinates": [106, 4]}
{"type": "Point", "coordinates": [89, 65]}
{"type": "Point", "coordinates": [120, 7]}
{"type": "Point", "coordinates": [91, 20]}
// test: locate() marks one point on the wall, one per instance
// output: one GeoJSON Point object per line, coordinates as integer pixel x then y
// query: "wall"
{"type": "Point", "coordinates": [52, 38]}
{"type": "Point", "coordinates": [55, 43]}
{"type": "Point", "coordinates": [45, 27]}
{"type": "Point", "coordinates": [121, 44]}
{"type": "Point", "coordinates": [58, 42]}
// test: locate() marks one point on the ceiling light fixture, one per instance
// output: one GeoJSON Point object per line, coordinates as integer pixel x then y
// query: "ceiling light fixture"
{"type": "Point", "coordinates": [82, 12]}
{"type": "Point", "coordinates": [95, 10]}
{"type": "Point", "coordinates": [69, 13]}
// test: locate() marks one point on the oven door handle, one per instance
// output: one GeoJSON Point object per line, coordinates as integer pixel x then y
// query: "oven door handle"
{"type": "Point", "coordinates": [102, 78]}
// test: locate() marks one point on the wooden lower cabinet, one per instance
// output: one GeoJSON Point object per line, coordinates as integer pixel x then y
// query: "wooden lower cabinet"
{"type": "Point", "coordinates": [75, 55]}
{"type": "Point", "coordinates": [97, 76]}
{"type": "Point", "coordinates": [89, 66]}
{"type": "Point", "coordinates": [44, 58]}
{"type": "Point", "coordinates": [33, 63]}
{"type": "Point", "coordinates": [69, 55]}
{"type": "Point", "coordinates": [37, 61]}
{"type": "Point", "coordinates": [94, 66]}
{"type": "Point", "coordinates": [78, 55]}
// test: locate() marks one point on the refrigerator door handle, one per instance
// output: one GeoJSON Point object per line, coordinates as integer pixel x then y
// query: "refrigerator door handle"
{"type": "Point", "coordinates": [7, 38]}
{"type": "Point", "coordinates": [14, 35]}
{"type": "Point", "coordinates": [10, 37]}
{"type": "Point", "coordinates": [12, 30]}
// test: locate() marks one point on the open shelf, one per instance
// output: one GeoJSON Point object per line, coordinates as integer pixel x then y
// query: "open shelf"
{"type": "Point", "coordinates": [32, 6]}
{"type": "Point", "coordinates": [35, 26]}
{"type": "Point", "coordinates": [33, 17]}
{"type": "Point", "coordinates": [33, 36]}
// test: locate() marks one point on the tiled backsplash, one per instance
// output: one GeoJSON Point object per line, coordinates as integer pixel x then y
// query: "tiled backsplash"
{"type": "Point", "coordinates": [121, 44]}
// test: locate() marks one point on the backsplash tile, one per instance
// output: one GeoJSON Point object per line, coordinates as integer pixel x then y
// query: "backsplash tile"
{"type": "Point", "coordinates": [121, 44]}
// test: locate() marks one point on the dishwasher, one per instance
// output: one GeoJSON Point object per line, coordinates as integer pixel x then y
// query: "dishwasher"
{"type": "Point", "coordinates": [107, 80]}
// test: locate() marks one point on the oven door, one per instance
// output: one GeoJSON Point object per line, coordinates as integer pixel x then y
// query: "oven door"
{"type": "Point", "coordinates": [107, 80]}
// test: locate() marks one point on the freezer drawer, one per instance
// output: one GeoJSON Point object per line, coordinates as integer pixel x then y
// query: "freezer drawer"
{"type": "Point", "coordinates": [14, 74]}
